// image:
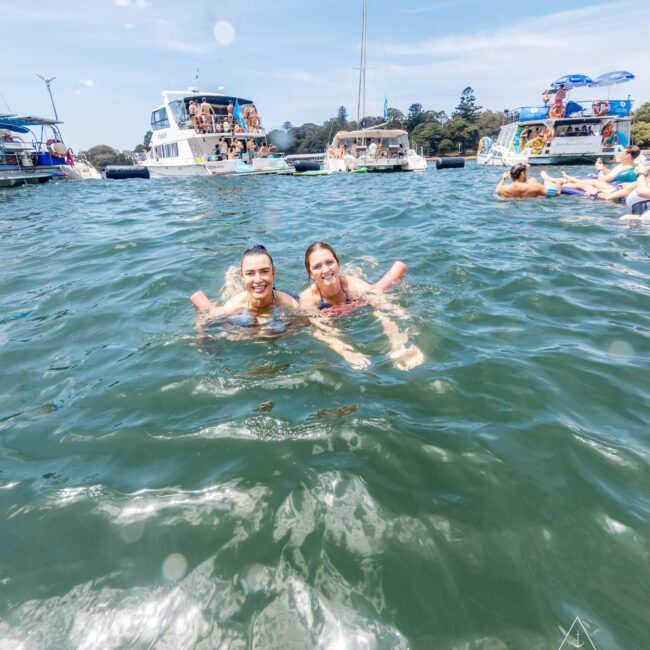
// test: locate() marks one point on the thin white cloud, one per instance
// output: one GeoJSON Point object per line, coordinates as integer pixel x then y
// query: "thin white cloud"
{"type": "Point", "coordinates": [136, 4]}
{"type": "Point", "coordinates": [89, 83]}
{"type": "Point", "coordinates": [78, 92]}
{"type": "Point", "coordinates": [129, 26]}
{"type": "Point", "coordinates": [512, 65]}
{"type": "Point", "coordinates": [429, 8]}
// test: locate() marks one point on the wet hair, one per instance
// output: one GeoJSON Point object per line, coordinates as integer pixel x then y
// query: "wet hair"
{"type": "Point", "coordinates": [633, 150]}
{"type": "Point", "coordinates": [517, 170]}
{"type": "Point", "coordinates": [258, 249]}
{"type": "Point", "coordinates": [318, 246]}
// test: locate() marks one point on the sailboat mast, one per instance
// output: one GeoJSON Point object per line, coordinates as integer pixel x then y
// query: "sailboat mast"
{"type": "Point", "coordinates": [361, 101]}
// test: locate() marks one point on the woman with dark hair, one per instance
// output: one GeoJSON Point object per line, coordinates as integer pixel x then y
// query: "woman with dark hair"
{"type": "Point", "coordinates": [333, 292]}
{"type": "Point", "coordinates": [259, 301]}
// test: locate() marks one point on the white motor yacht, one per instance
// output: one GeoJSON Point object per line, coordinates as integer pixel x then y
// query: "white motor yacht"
{"type": "Point", "coordinates": [216, 142]}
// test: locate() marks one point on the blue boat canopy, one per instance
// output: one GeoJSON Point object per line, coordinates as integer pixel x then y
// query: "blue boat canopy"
{"type": "Point", "coordinates": [573, 81]}
{"type": "Point", "coordinates": [612, 78]}
{"type": "Point", "coordinates": [16, 128]}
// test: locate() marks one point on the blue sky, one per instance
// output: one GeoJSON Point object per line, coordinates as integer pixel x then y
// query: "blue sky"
{"type": "Point", "coordinates": [297, 59]}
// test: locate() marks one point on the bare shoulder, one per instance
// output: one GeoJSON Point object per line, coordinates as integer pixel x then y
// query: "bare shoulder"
{"type": "Point", "coordinates": [236, 303]}
{"type": "Point", "coordinates": [308, 298]}
{"type": "Point", "coordinates": [356, 286]}
{"type": "Point", "coordinates": [286, 300]}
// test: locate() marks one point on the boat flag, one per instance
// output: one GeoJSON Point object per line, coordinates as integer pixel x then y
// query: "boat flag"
{"type": "Point", "coordinates": [238, 115]}
{"type": "Point", "coordinates": [385, 108]}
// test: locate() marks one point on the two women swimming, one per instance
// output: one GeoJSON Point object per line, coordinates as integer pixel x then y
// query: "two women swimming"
{"type": "Point", "coordinates": [261, 305]}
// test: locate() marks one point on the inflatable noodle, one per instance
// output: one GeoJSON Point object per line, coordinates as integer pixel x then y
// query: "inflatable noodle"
{"type": "Point", "coordinates": [394, 274]}
{"type": "Point", "coordinates": [202, 303]}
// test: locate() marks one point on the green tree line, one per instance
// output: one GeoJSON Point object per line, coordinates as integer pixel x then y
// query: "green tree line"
{"type": "Point", "coordinates": [434, 131]}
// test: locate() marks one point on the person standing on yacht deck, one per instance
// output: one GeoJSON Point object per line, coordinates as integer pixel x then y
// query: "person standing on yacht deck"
{"type": "Point", "coordinates": [193, 110]}
{"type": "Point", "coordinates": [207, 111]}
{"type": "Point", "coordinates": [372, 149]}
{"type": "Point", "coordinates": [231, 110]}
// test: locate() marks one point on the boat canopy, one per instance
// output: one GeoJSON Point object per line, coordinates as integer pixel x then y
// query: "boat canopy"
{"type": "Point", "coordinates": [612, 78]}
{"type": "Point", "coordinates": [29, 120]}
{"type": "Point", "coordinates": [370, 133]}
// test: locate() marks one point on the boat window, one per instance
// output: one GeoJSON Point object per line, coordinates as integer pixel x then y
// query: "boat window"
{"type": "Point", "coordinates": [159, 119]}
{"type": "Point", "coordinates": [167, 150]}
{"type": "Point", "coordinates": [178, 111]}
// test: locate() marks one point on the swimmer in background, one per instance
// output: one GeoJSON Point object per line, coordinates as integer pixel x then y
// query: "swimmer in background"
{"type": "Point", "coordinates": [331, 290]}
{"type": "Point", "coordinates": [524, 188]}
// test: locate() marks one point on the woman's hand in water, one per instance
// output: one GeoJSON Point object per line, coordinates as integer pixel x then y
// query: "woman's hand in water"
{"type": "Point", "coordinates": [407, 358]}
{"type": "Point", "coordinates": [355, 359]}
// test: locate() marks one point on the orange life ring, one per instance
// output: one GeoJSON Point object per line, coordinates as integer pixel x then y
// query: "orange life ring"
{"type": "Point", "coordinates": [607, 130]}
{"type": "Point", "coordinates": [537, 144]}
{"type": "Point", "coordinates": [601, 107]}
{"type": "Point", "coordinates": [548, 133]}
{"type": "Point", "coordinates": [556, 111]}
{"type": "Point", "coordinates": [50, 144]}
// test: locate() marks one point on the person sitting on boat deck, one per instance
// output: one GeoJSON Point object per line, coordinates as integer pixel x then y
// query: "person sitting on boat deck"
{"type": "Point", "coordinates": [273, 149]}
{"type": "Point", "coordinates": [260, 304]}
{"type": "Point", "coordinates": [194, 112]}
{"type": "Point", "coordinates": [332, 291]}
{"type": "Point", "coordinates": [218, 126]}
{"type": "Point", "coordinates": [264, 151]}
{"type": "Point", "coordinates": [590, 131]}
{"type": "Point", "coordinates": [232, 154]}
{"type": "Point", "coordinates": [226, 126]}
{"type": "Point", "coordinates": [522, 187]}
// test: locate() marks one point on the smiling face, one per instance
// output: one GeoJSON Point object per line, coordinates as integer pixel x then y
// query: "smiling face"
{"type": "Point", "coordinates": [325, 271]}
{"type": "Point", "coordinates": [257, 274]}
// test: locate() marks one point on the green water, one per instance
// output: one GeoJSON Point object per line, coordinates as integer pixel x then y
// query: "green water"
{"type": "Point", "coordinates": [163, 488]}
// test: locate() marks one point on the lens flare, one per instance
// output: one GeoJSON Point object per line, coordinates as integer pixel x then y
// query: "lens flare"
{"type": "Point", "coordinates": [224, 32]}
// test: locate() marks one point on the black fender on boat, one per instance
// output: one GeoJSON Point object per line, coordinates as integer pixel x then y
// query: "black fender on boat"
{"type": "Point", "coordinates": [450, 163]}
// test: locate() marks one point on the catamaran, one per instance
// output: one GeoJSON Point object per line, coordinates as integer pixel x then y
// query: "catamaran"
{"type": "Point", "coordinates": [375, 149]}
{"type": "Point", "coordinates": [199, 133]}
{"type": "Point", "coordinates": [563, 132]}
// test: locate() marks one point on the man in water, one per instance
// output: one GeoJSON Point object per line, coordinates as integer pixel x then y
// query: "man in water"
{"type": "Point", "coordinates": [522, 187]}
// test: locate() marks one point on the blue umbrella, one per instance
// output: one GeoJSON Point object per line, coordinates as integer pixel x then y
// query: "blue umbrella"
{"type": "Point", "coordinates": [573, 81]}
{"type": "Point", "coordinates": [612, 78]}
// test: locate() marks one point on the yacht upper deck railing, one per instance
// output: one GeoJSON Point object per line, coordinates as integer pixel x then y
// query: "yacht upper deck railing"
{"type": "Point", "coordinates": [585, 108]}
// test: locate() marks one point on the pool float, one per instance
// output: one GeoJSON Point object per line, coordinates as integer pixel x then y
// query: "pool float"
{"type": "Point", "coordinates": [202, 303]}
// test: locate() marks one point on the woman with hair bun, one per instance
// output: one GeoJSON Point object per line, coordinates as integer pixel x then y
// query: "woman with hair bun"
{"type": "Point", "coordinates": [334, 293]}
{"type": "Point", "coordinates": [260, 303]}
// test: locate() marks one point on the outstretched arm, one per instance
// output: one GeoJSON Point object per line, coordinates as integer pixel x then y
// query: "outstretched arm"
{"type": "Point", "coordinates": [329, 336]}
{"type": "Point", "coordinates": [404, 357]}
